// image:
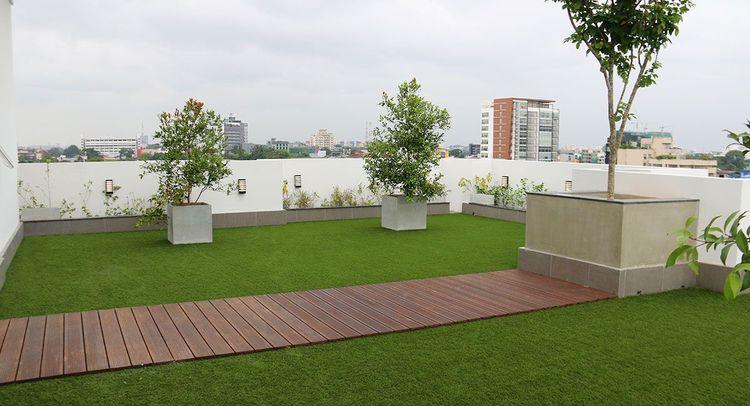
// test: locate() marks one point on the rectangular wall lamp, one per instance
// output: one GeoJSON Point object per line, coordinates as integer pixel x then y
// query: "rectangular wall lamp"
{"type": "Point", "coordinates": [504, 181]}
{"type": "Point", "coordinates": [298, 181]}
{"type": "Point", "coordinates": [568, 185]}
{"type": "Point", "coordinates": [242, 186]}
{"type": "Point", "coordinates": [109, 186]}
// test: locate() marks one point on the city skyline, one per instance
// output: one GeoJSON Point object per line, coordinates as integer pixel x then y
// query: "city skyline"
{"type": "Point", "coordinates": [117, 66]}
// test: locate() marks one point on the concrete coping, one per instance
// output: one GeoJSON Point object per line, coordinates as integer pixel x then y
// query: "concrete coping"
{"type": "Point", "coordinates": [346, 207]}
{"type": "Point", "coordinates": [619, 198]}
{"type": "Point", "coordinates": [496, 207]}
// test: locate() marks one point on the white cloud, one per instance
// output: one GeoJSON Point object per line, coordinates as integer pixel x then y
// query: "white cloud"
{"type": "Point", "coordinates": [289, 67]}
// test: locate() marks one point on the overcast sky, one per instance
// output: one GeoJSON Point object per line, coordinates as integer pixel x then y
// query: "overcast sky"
{"type": "Point", "coordinates": [101, 68]}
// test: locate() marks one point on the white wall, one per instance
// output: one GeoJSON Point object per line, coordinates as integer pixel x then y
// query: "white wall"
{"type": "Point", "coordinates": [718, 196]}
{"type": "Point", "coordinates": [8, 201]}
{"type": "Point", "coordinates": [67, 182]}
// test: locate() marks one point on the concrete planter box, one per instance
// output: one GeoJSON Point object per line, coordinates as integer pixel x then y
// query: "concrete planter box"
{"type": "Point", "coordinates": [399, 214]}
{"type": "Point", "coordinates": [481, 198]}
{"type": "Point", "coordinates": [618, 245]}
{"type": "Point", "coordinates": [40, 213]}
{"type": "Point", "coordinates": [190, 224]}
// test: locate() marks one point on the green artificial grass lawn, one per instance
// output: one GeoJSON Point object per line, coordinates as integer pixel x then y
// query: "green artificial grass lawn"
{"type": "Point", "coordinates": [687, 346]}
{"type": "Point", "coordinates": [53, 274]}
{"type": "Point", "coordinates": [683, 347]}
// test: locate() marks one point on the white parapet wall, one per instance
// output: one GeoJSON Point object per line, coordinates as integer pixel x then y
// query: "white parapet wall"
{"type": "Point", "coordinates": [53, 183]}
{"type": "Point", "coordinates": [9, 223]}
{"type": "Point", "coordinates": [718, 196]}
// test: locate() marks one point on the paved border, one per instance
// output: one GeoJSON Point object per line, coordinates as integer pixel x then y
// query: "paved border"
{"type": "Point", "coordinates": [82, 342]}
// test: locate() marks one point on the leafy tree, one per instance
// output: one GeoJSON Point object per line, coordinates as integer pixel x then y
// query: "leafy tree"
{"type": "Point", "coordinates": [625, 37]}
{"type": "Point", "coordinates": [456, 153]}
{"type": "Point", "coordinates": [126, 153]}
{"type": "Point", "coordinates": [54, 152]}
{"type": "Point", "coordinates": [194, 142]}
{"type": "Point", "coordinates": [91, 154]}
{"type": "Point", "coordinates": [732, 161]}
{"type": "Point", "coordinates": [72, 151]}
{"type": "Point", "coordinates": [405, 147]}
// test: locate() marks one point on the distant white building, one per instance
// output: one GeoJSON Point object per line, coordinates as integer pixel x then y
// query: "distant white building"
{"type": "Point", "coordinates": [322, 139]}
{"type": "Point", "coordinates": [110, 147]}
{"type": "Point", "coordinates": [278, 145]}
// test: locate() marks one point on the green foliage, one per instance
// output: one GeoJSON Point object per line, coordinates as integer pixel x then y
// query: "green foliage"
{"type": "Point", "coordinates": [91, 155]}
{"type": "Point", "coordinates": [132, 207]}
{"type": "Point", "coordinates": [732, 161]}
{"type": "Point", "coordinates": [405, 147]}
{"type": "Point", "coordinates": [257, 152]}
{"type": "Point", "coordinates": [509, 196]}
{"type": "Point", "coordinates": [715, 237]}
{"type": "Point", "coordinates": [27, 196]}
{"type": "Point", "coordinates": [625, 37]}
{"type": "Point", "coordinates": [72, 151]}
{"type": "Point", "coordinates": [350, 197]}
{"type": "Point", "coordinates": [301, 199]}
{"type": "Point", "coordinates": [126, 154]}
{"type": "Point", "coordinates": [456, 153]}
{"type": "Point", "coordinates": [194, 144]}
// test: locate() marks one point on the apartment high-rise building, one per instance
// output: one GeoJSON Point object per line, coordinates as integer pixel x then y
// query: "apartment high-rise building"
{"type": "Point", "coordinates": [522, 129]}
{"type": "Point", "coordinates": [278, 145]}
{"type": "Point", "coordinates": [236, 132]}
{"type": "Point", "coordinates": [475, 149]}
{"type": "Point", "coordinates": [322, 139]}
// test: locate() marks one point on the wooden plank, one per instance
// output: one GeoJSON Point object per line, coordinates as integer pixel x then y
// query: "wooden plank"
{"type": "Point", "coordinates": [352, 312]}
{"type": "Point", "coordinates": [54, 349]}
{"type": "Point", "coordinates": [282, 328]}
{"type": "Point", "coordinates": [308, 318]}
{"type": "Point", "coordinates": [29, 367]}
{"type": "Point", "coordinates": [436, 290]}
{"type": "Point", "coordinates": [480, 297]}
{"type": "Point", "coordinates": [377, 313]}
{"type": "Point", "coordinates": [3, 329]}
{"type": "Point", "coordinates": [74, 359]}
{"type": "Point", "coordinates": [117, 354]}
{"type": "Point", "coordinates": [177, 346]}
{"type": "Point", "coordinates": [310, 334]}
{"type": "Point", "coordinates": [155, 344]}
{"type": "Point", "coordinates": [242, 326]}
{"type": "Point", "coordinates": [131, 334]}
{"type": "Point", "coordinates": [414, 318]}
{"type": "Point", "coordinates": [338, 326]}
{"type": "Point", "coordinates": [93, 342]}
{"type": "Point", "coordinates": [513, 303]}
{"type": "Point", "coordinates": [272, 336]}
{"type": "Point", "coordinates": [411, 289]}
{"type": "Point", "coordinates": [431, 312]}
{"type": "Point", "coordinates": [228, 333]}
{"type": "Point", "coordinates": [10, 353]}
{"type": "Point", "coordinates": [212, 337]}
{"type": "Point", "coordinates": [341, 315]}
{"type": "Point", "coordinates": [537, 299]}
{"type": "Point", "coordinates": [189, 333]}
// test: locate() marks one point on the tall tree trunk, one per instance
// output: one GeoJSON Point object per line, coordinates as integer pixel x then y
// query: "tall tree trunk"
{"type": "Point", "coordinates": [612, 110]}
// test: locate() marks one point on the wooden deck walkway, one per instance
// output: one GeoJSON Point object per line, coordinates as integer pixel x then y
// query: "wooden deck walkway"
{"type": "Point", "coordinates": [75, 343]}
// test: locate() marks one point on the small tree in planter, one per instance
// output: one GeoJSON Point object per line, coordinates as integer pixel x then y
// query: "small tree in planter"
{"type": "Point", "coordinates": [194, 142]}
{"type": "Point", "coordinates": [625, 37]}
{"type": "Point", "coordinates": [401, 158]}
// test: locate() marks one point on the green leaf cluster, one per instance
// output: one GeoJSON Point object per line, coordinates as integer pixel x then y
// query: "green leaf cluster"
{"type": "Point", "coordinates": [404, 152]}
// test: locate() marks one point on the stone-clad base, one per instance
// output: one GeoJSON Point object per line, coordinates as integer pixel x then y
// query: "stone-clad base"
{"type": "Point", "coordinates": [220, 220]}
{"type": "Point", "coordinates": [495, 212]}
{"type": "Point", "coordinates": [622, 282]}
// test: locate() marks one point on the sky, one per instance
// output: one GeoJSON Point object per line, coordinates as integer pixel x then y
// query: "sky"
{"type": "Point", "coordinates": [105, 68]}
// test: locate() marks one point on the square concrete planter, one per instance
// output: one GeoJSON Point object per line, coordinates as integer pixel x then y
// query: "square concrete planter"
{"type": "Point", "coordinates": [399, 214]}
{"type": "Point", "coordinates": [40, 213]}
{"type": "Point", "coordinates": [481, 198]}
{"type": "Point", "coordinates": [618, 245]}
{"type": "Point", "coordinates": [190, 224]}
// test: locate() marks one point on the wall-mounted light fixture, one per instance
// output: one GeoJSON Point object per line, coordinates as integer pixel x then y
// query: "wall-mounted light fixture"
{"type": "Point", "coordinates": [504, 181]}
{"type": "Point", "coordinates": [109, 186]}
{"type": "Point", "coordinates": [241, 186]}
{"type": "Point", "coordinates": [298, 181]}
{"type": "Point", "coordinates": [568, 185]}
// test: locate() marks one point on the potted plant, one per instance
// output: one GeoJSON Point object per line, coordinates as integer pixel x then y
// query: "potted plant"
{"type": "Point", "coordinates": [481, 190]}
{"type": "Point", "coordinates": [403, 155]}
{"type": "Point", "coordinates": [617, 243]}
{"type": "Point", "coordinates": [193, 141]}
